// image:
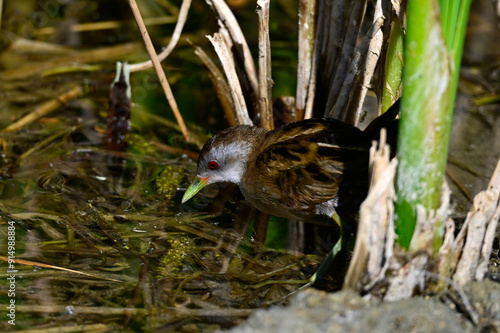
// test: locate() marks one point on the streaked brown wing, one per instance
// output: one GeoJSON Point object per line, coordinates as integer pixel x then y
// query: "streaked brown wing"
{"type": "Point", "coordinates": [307, 171]}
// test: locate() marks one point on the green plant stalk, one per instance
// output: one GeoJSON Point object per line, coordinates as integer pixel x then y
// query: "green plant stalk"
{"type": "Point", "coordinates": [426, 112]}
{"type": "Point", "coordinates": [457, 44]}
{"type": "Point", "coordinates": [393, 70]}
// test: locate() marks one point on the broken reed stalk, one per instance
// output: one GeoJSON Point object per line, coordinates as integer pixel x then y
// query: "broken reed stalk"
{"type": "Point", "coordinates": [159, 70]}
{"type": "Point", "coordinates": [181, 20]}
{"type": "Point", "coordinates": [223, 45]}
{"type": "Point", "coordinates": [265, 80]}
{"type": "Point", "coordinates": [459, 260]}
{"type": "Point", "coordinates": [220, 85]}
{"type": "Point", "coordinates": [241, 51]}
{"type": "Point", "coordinates": [375, 236]}
{"type": "Point", "coordinates": [474, 243]}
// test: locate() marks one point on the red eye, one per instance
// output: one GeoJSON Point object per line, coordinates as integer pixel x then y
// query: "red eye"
{"type": "Point", "coordinates": [213, 165]}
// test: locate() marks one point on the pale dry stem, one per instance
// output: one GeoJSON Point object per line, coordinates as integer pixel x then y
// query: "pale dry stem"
{"type": "Point", "coordinates": [265, 80]}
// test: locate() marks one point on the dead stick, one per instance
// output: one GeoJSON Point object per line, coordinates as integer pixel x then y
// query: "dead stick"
{"type": "Point", "coordinates": [158, 69]}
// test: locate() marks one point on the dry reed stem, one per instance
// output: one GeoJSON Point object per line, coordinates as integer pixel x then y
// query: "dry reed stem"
{"type": "Point", "coordinates": [305, 61]}
{"type": "Point", "coordinates": [241, 49]}
{"type": "Point", "coordinates": [45, 109]}
{"type": "Point", "coordinates": [371, 250]}
{"type": "Point", "coordinates": [222, 45]}
{"type": "Point", "coordinates": [181, 20]}
{"type": "Point", "coordinates": [372, 57]}
{"type": "Point", "coordinates": [220, 85]}
{"type": "Point", "coordinates": [336, 101]}
{"type": "Point", "coordinates": [474, 243]}
{"type": "Point", "coordinates": [159, 70]}
{"type": "Point", "coordinates": [349, 84]}
{"type": "Point", "coordinates": [265, 80]}
{"type": "Point", "coordinates": [482, 212]}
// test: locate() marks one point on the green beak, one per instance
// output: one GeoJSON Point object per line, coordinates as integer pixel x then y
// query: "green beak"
{"type": "Point", "coordinates": [195, 187]}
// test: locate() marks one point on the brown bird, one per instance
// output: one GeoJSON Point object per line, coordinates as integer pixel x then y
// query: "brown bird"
{"type": "Point", "coordinates": [308, 170]}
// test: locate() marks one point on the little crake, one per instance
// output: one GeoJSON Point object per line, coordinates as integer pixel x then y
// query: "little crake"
{"type": "Point", "coordinates": [307, 170]}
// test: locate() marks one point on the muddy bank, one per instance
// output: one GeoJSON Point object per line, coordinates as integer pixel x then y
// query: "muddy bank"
{"type": "Point", "coordinates": [345, 311]}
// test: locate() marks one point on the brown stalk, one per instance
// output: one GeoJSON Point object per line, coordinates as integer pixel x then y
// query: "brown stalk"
{"type": "Point", "coordinates": [159, 70]}
{"type": "Point", "coordinates": [265, 80]}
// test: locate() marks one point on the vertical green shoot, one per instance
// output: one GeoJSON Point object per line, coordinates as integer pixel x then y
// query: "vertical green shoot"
{"type": "Point", "coordinates": [432, 52]}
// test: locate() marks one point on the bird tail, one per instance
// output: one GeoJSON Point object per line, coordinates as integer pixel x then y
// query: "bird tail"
{"type": "Point", "coordinates": [388, 121]}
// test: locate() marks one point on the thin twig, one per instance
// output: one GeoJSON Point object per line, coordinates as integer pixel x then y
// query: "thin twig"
{"type": "Point", "coordinates": [159, 69]}
{"type": "Point", "coordinates": [265, 80]}
{"type": "Point", "coordinates": [39, 264]}
{"type": "Point", "coordinates": [181, 20]}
